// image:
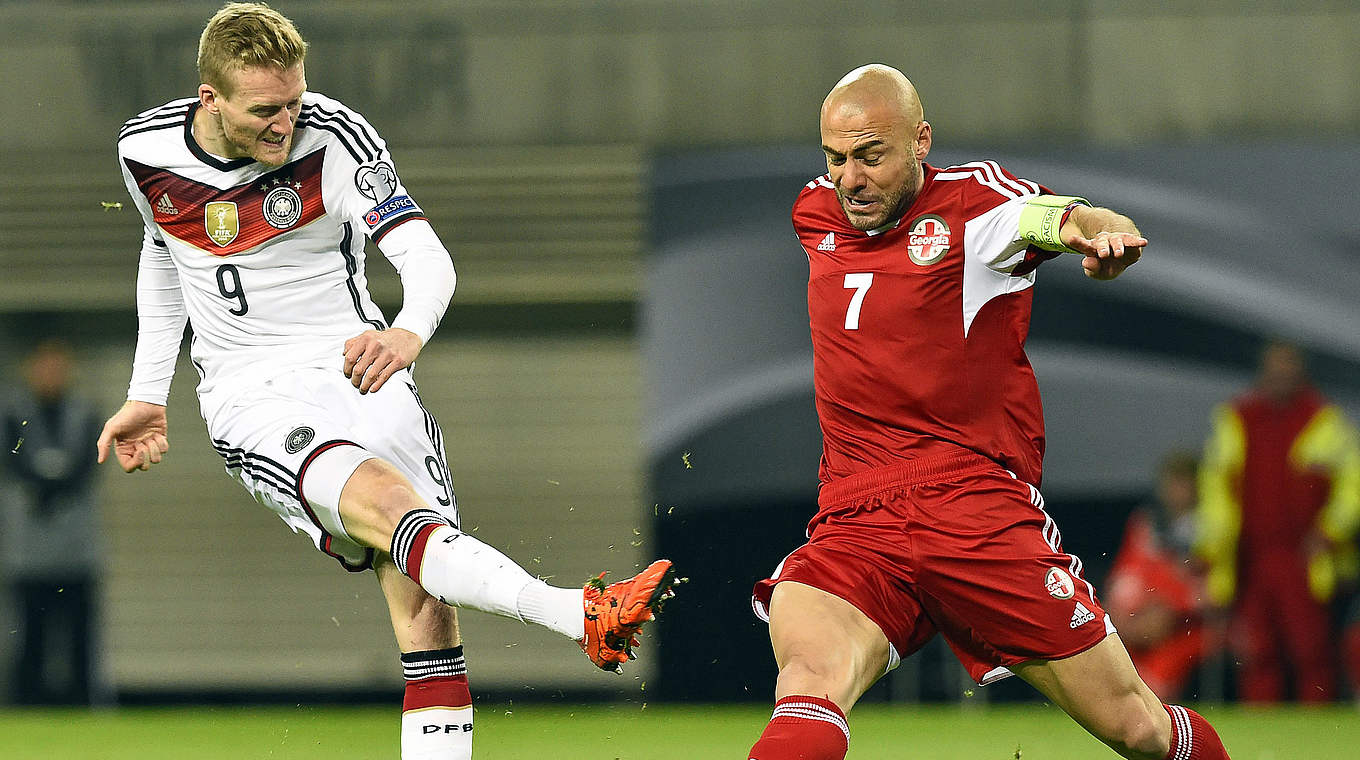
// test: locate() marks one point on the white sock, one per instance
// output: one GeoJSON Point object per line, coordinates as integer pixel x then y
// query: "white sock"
{"type": "Point", "coordinates": [561, 609]}
{"type": "Point", "coordinates": [464, 572]}
{"type": "Point", "coordinates": [437, 733]}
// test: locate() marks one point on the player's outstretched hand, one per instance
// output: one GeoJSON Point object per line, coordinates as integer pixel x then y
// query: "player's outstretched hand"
{"type": "Point", "coordinates": [374, 356]}
{"type": "Point", "coordinates": [1106, 255]}
{"type": "Point", "coordinates": [138, 434]}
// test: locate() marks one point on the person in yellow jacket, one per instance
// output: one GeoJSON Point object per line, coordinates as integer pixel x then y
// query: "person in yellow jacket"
{"type": "Point", "coordinates": [1278, 514]}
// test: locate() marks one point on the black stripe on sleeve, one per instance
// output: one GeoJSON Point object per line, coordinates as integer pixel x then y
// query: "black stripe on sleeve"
{"type": "Point", "coordinates": [346, 135]}
{"type": "Point", "coordinates": [172, 120]}
{"type": "Point", "coordinates": [363, 134]}
{"type": "Point", "coordinates": [351, 269]}
{"type": "Point", "coordinates": [174, 112]}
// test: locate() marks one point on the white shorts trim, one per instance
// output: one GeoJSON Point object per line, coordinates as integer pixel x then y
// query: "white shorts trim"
{"type": "Point", "coordinates": [323, 478]}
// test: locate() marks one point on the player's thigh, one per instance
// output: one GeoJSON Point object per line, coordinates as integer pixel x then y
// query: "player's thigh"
{"type": "Point", "coordinates": [410, 471]}
{"type": "Point", "coordinates": [994, 577]}
{"type": "Point", "coordinates": [850, 608]}
{"type": "Point", "coordinates": [373, 500]}
{"type": "Point", "coordinates": [824, 645]}
{"type": "Point", "coordinates": [1102, 691]}
{"type": "Point", "coordinates": [393, 425]}
{"type": "Point", "coordinates": [399, 428]}
{"type": "Point", "coordinates": [420, 622]}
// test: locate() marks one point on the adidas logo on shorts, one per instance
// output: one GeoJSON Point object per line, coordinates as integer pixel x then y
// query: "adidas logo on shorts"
{"type": "Point", "coordinates": [1080, 616]}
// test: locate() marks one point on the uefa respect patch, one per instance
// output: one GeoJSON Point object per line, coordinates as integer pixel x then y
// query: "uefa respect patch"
{"type": "Point", "coordinates": [392, 208]}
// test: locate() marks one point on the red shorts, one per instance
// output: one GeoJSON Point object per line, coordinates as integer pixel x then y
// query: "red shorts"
{"type": "Point", "coordinates": [955, 545]}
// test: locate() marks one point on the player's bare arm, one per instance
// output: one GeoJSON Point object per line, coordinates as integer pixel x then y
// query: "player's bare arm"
{"type": "Point", "coordinates": [1108, 241]}
{"type": "Point", "coordinates": [138, 434]}
{"type": "Point", "coordinates": [373, 356]}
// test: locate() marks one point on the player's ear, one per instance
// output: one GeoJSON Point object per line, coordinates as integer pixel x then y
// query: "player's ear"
{"type": "Point", "coordinates": [922, 143]}
{"type": "Point", "coordinates": [207, 97]}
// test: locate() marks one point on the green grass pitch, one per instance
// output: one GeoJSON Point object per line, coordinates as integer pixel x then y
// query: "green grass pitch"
{"type": "Point", "coordinates": [631, 731]}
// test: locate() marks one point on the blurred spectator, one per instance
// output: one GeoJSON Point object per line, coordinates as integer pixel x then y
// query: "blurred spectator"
{"type": "Point", "coordinates": [50, 550]}
{"type": "Point", "coordinates": [1155, 590]}
{"type": "Point", "coordinates": [1279, 507]}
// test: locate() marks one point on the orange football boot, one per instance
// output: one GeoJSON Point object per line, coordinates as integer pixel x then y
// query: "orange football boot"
{"type": "Point", "coordinates": [615, 613]}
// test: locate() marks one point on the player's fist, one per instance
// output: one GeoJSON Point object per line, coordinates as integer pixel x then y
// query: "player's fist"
{"type": "Point", "coordinates": [374, 356]}
{"type": "Point", "coordinates": [138, 435]}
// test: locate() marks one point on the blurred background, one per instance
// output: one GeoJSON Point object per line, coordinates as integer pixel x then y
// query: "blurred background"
{"type": "Point", "coordinates": [625, 370]}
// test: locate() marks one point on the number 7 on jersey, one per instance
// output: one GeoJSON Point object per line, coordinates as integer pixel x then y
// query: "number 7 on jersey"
{"type": "Point", "coordinates": [860, 281]}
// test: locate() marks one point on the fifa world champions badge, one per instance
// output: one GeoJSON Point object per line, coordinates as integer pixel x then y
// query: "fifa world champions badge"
{"type": "Point", "coordinates": [221, 222]}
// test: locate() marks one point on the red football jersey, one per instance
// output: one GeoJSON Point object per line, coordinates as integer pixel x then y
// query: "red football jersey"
{"type": "Point", "coordinates": [918, 328]}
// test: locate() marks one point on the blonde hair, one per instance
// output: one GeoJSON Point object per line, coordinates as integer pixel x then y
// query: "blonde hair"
{"type": "Point", "coordinates": [242, 35]}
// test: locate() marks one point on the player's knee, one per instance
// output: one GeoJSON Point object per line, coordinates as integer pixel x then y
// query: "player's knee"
{"type": "Point", "coordinates": [832, 672]}
{"type": "Point", "coordinates": [1139, 731]}
{"type": "Point", "coordinates": [394, 498]}
{"type": "Point", "coordinates": [375, 500]}
{"type": "Point", "coordinates": [811, 676]}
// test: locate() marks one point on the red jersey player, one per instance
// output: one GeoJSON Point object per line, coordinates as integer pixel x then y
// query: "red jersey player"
{"type": "Point", "coordinates": [930, 518]}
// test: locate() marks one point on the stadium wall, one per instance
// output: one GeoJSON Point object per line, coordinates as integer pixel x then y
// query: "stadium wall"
{"type": "Point", "coordinates": [704, 72]}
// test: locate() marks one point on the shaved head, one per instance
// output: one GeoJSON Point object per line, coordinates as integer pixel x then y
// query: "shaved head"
{"type": "Point", "coordinates": [874, 137]}
{"type": "Point", "coordinates": [875, 86]}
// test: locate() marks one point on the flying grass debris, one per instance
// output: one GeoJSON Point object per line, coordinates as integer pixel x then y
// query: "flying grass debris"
{"type": "Point", "coordinates": [19, 442]}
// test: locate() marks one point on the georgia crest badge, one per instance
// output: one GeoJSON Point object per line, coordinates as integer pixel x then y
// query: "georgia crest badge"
{"type": "Point", "coordinates": [1059, 584]}
{"type": "Point", "coordinates": [927, 239]}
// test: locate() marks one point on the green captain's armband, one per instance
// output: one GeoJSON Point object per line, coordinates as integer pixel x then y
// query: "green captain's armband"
{"type": "Point", "coordinates": [1043, 217]}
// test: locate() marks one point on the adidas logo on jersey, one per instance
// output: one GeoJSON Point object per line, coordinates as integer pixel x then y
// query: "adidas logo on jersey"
{"type": "Point", "coordinates": [165, 206]}
{"type": "Point", "coordinates": [828, 243]}
{"type": "Point", "coordinates": [1080, 616]}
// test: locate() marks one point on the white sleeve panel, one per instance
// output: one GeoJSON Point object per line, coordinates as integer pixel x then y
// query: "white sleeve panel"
{"type": "Point", "coordinates": [427, 275]}
{"type": "Point", "coordinates": [994, 237]}
{"type": "Point", "coordinates": [992, 250]}
{"type": "Point", "coordinates": [160, 324]}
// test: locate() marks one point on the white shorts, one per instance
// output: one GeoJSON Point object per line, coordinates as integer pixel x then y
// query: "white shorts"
{"type": "Point", "coordinates": [295, 440]}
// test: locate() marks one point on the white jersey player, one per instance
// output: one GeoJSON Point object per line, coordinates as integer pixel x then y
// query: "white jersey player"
{"type": "Point", "coordinates": [271, 258]}
{"type": "Point", "coordinates": [257, 196]}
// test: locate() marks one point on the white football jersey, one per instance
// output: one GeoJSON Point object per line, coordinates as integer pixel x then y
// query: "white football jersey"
{"type": "Point", "coordinates": [269, 260]}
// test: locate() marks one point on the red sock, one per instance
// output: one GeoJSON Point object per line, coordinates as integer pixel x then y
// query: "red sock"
{"type": "Point", "coordinates": [1192, 738]}
{"type": "Point", "coordinates": [436, 718]}
{"type": "Point", "coordinates": [803, 728]}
